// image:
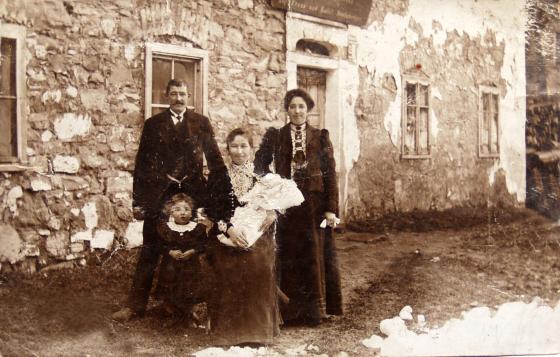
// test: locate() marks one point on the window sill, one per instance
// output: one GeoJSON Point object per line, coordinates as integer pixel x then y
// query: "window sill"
{"type": "Point", "coordinates": [414, 157]}
{"type": "Point", "coordinates": [15, 167]}
{"type": "Point", "coordinates": [497, 156]}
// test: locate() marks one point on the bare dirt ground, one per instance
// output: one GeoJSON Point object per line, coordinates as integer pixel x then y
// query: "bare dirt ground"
{"type": "Point", "coordinates": [438, 263]}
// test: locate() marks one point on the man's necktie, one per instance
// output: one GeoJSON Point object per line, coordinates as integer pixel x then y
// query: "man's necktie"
{"type": "Point", "coordinates": [180, 123]}
{"type": "Point", "coordinates": [177, 118]}
{"type": "Point", "coordinates": [299, 157]}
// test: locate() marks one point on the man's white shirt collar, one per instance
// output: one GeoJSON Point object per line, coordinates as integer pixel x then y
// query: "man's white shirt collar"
{"type": "Point", "coordinates": [175, 116]}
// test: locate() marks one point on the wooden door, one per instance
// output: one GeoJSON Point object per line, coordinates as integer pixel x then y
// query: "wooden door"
{"type": "Point", "coordinates": [314, 82]}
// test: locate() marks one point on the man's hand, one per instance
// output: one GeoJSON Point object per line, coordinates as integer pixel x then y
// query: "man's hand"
{"type": "Point", "coordinates": [202, 218]}
{"type": "Point", "coordinates": [138, 213]}
{"type": "Point", "coordinates": [331, 219]}
{"type": "Point", "coordinates": [237, 237]}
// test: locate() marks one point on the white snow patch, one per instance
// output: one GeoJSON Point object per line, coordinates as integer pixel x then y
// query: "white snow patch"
{"type": "Point", "coordinates": [515, 328]}
{"type": "Point", "coordinates": [374, 342]}
{"type": "Point", "coordinates": [406, 313]}
{"type": "Point", "coordinates": [392, 326]}
{"type": "Point", "coordinates": [235, 352]}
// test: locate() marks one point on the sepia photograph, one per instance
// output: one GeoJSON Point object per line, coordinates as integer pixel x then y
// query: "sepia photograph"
{"type": "Point", "coordinates": [245, 178]}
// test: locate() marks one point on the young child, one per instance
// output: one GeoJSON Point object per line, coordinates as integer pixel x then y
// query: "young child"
{"type": "Point", "coordinates": [181, 284]}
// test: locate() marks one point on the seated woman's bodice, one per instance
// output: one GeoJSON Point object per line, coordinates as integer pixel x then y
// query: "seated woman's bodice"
{"type": "Point", "coordinates": [242, 178]}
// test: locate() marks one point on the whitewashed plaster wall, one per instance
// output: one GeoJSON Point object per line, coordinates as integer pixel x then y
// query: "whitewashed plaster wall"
{"type": "Point", "coordinates": [381, 44]}
{"type": "Point", "coordinates": [378, 49]}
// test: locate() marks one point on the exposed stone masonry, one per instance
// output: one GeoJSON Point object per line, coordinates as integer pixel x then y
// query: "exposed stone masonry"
{"type": "Point", "coordinates": [85, 89]}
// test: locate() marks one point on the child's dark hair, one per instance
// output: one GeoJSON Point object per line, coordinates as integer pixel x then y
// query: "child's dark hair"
{"type": "Point", "coordinates": [178, 197]}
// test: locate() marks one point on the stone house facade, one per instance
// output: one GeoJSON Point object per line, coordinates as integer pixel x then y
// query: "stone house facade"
{"type": "Point", "coordinates": [424, 101]}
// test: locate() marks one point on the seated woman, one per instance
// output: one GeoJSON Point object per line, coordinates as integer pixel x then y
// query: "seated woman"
{"type": "Point", "coordinates": [244, 308]}
{"type": "Point", "coordinates": [182, 283]}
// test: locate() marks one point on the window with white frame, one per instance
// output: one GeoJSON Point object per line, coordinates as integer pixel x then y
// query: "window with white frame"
{"type": "Point", "coordinates": [12, 80]}
{"type": "Point", "coordinates": [489, 122]}
{"type": "Point", "coordinates": [415, 116]}
{"type": "Point", "coordinates": [165, 62]}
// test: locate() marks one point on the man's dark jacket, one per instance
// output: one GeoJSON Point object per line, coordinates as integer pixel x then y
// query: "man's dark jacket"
{"type": "Point", "coordinates": [169, 150]}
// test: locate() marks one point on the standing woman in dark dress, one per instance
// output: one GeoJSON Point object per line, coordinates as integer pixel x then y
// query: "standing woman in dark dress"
{"type": "Point", "coordinates": [244, 308]}
{"type": "Point", "coordinates": [308, 268]}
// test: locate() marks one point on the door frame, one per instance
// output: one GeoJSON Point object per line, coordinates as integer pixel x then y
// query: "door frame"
{"type": "Point", "coordinates": [319, 108]}
{"type": "Point", "coordinates": [333, 109]}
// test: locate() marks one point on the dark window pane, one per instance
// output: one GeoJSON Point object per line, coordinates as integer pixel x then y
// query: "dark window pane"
{"type": "Point", "coordinates": [423, 96]}
{"type": "Point", "coordinates": [409, 131]}
{"type": "Point", "coordinates": [485, 126]}
{"type": "Point", "coordinates": [161, 74]}
{"type": "Point", "coordinates": [8, 66]}
{"type": "Point", "coordinates": [312, 47]}
{"type": "Point", "coordinates": [157, 110]}
{"type": "Point", "coordinates": [411, 94]}
{"type": "Point", "coordinates": [185, 71]}
{"type": "Point", "coordinates": [423, 131]}
{"type": "Point", "coordinates": [494, 144]}
{"type": "Point", "coordinates": [484, 149]}
{"type": "Point", "coordinates": [485, 102]}
{"type": "Point", "coordinates": [8, 128]}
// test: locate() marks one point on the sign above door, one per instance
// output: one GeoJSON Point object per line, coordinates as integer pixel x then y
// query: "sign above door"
{"type": "Point", "coordinates": [353, 12]}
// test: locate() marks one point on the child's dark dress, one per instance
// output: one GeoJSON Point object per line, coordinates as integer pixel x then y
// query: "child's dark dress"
{"type": "Point", "coordinates": [182, 282]}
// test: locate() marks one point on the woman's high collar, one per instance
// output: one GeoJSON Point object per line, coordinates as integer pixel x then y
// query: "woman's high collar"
{"type": "Point", "coordinates": [245, 167]}
{"type": "Point", "coordinates": [294, 127]}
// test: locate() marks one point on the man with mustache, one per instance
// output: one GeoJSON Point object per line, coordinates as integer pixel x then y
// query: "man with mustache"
{"type": "Point", "coordinates": [169, 160]}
